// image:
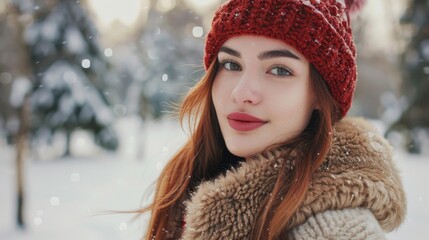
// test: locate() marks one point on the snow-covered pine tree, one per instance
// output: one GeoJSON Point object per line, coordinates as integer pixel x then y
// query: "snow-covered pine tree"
{"type": "Point", "coordinates": [415, 68]}
{"type": "Point", "coordinates": [69, 70]}
{"type": "Point", "coordinates": [163, 60]}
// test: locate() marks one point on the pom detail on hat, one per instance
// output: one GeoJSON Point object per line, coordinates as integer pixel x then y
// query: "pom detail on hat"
{"type": "Point", "coordinates": [354, 6]}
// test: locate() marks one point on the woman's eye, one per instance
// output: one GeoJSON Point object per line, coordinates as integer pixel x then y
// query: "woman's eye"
{"type": "Point", "coordinates": [229, 65]}
{"type": "Point", "coordinates": [280, 71]}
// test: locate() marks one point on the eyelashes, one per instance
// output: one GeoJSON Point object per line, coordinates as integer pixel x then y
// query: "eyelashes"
{"type": "Point", "coordinates": [230, 65]}
{"type": "Point", "coordinates": [280, 71]}
{"type": "Point", "coordinates": [275, 70]}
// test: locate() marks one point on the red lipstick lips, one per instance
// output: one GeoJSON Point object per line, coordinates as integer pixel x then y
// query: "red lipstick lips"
{"type": "Point", "coordinates": [244, 122]}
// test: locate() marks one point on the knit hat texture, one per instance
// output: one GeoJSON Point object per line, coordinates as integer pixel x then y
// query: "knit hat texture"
{"type": "Point", "coordinates": [319, 29]}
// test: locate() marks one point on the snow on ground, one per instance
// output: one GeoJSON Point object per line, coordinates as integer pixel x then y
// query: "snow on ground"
{"type": "Point", "coordinates": [414, 171]}
{"type": "Point", "coordinates": [65, 198]}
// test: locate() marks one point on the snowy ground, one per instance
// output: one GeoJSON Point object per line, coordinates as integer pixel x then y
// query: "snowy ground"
{"type": "Point", "coordinates": [65, 198]}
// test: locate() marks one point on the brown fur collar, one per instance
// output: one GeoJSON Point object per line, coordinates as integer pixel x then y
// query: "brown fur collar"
{"type": "Point", "coordinates": [358, 172]}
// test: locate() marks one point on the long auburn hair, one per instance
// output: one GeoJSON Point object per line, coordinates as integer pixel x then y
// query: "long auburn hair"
{"type": "Point", "coordinates": [205, 155]}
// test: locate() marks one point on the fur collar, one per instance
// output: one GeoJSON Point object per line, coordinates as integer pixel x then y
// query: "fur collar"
{"type": "Point", "coordinates": [358, 172]}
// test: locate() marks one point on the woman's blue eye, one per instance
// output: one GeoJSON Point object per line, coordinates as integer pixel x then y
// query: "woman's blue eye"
{"type": "Point", "coordinates": [280, 71]}
{"type": "Point", "coordinates": [231, 66]}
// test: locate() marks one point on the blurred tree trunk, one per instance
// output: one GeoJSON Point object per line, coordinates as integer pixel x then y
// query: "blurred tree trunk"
{"type": "Point", "coordinates": [23, 69]}
{"type": "Point", "coordinates": [21, 144]}
{"type": "Point", "coordinates": [67, 152]}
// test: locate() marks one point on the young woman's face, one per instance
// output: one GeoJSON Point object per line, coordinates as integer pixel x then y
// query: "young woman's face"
{"type": "Point", "coordinates": [261, 93]}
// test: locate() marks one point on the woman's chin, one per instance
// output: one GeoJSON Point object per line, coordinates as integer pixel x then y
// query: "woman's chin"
{"type": "Point", "coordinates": [243, 152]}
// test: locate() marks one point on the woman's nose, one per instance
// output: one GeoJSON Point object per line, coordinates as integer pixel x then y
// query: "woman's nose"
{"type": "Point", "coordinates": [247, 90]}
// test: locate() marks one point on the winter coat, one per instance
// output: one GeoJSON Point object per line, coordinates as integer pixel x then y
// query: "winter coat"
{"type": "Point", "coordinates": [355, 194]}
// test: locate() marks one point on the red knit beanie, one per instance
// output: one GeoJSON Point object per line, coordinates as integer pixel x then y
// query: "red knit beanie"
{"type": "Point", "coordinates": [319, 29]}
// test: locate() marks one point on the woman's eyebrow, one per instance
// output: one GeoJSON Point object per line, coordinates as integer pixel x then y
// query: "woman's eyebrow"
{"type": "Point", "coordinates": [276, 54]}
{"type": "Point", "coordinates": [230, 51]}
{"type": "Point", "coordinates": [262, 55]}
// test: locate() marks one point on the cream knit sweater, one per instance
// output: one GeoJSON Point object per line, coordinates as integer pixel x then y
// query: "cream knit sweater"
{"type": "Point", "coordinates": [344, 224]}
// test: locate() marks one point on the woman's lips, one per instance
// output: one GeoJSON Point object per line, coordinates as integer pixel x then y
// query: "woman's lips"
{"type": "Point", "coordinates": [244, 122]}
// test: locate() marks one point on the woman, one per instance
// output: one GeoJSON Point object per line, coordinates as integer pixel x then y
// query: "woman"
{"type": "Point", "coordinates": [271, 154]}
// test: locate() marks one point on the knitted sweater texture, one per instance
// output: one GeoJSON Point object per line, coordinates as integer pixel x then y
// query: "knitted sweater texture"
{"type": "Point", "coordinates": [355, 194]}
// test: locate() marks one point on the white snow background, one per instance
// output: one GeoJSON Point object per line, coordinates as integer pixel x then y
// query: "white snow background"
{"type": "Point", "coordinates": [64, 198]}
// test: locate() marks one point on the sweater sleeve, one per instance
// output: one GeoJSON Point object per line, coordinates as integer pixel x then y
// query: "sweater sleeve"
{"type": "Point", "coordinates": [350, 223]}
